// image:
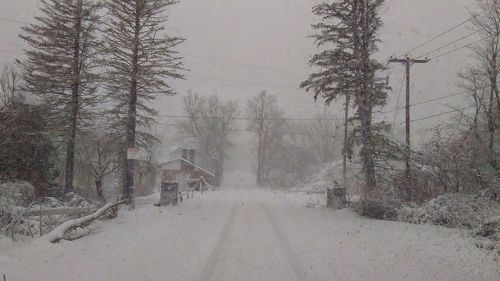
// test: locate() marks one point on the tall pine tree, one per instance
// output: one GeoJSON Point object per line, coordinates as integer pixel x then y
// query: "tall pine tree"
{"type": "Point", "coordinates": [59, 67]}
{"type": "Point", "coordinates": [140, 59]}
{"type": "Point", "coordinates": [347, 35]}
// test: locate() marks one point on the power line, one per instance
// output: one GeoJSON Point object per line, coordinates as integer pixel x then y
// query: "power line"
{"type": "Point", "coordinates": [233, 129]}
{"type": "Point", "coordinates": [440, 98]}
{"type": "Point", "coordinates": [448, 44]}
{"type": "Point", "coordinates": [240, 64]}
{"type": "Point", "coordinates": [427, 101]}
{"type": "Point", "coordinates": [440, 114]}
{"type": "Point", "coordinates": [413, 121]}
{"type": "Point", "coordinates": [399, 96]}
{"type": "Point", "coordinates": [442, 34]}
{"type": "Point", "coordinates": [204, 57]}
{"type": "Point", "coordinates": [328, 119]}
{"type": "Point", "coordinates": [248, 118]}
{"type": "Point", "coordinates": [13, 21]}
{"type": "Point", "coordinates": [459, 48]}
{"type": "Point", "coordinates": [207, 78]}
{"type": "Point", "coordinates": [289, 132]}
{"type": "Point", "coordinates": [241, 82]}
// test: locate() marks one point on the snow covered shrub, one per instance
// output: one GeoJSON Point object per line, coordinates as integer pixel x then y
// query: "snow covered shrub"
{"type": "Point", "coordinates": [377, 208]}
{"type": "Point", "coordinates": [47, 202]}
{"type": "Point", "coordinates": [490, 228]}
{"type": "Point", "coordinates": [451, 210]}
{"type": "Point", "coordinates": [73, 200]}
{"type": "Point", "coordinates": [492, 193]}
{"type": "Point", "coordinates": [456, 159]}
{"type": "Point", "coordinates": [10, 216]}
{"type": "Point", "coordinates": [380, 205]}
{"type": "Point", "coordinates": [17, 192]}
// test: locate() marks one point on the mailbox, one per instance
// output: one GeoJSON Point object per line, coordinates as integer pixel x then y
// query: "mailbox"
{"type": "Point", "coordinates": [169, 192]}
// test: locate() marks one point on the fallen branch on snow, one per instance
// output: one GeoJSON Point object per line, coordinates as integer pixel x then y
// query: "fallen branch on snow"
{"type": "Point", "coordinates": [62, 232]}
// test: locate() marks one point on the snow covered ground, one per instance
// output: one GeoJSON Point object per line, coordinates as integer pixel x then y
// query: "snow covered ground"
{"type": "Point", "coordinates": [251, 234]}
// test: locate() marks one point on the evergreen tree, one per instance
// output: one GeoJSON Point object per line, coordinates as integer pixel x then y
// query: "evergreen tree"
{"type": "Point", "coordinates": [140, 59]}
{"type": "Point", "coordinates": [26, 152]}
{"type": "Point", "coordinates": [59, 67]}
{"type": "Point", "coordinates": [347, 34]}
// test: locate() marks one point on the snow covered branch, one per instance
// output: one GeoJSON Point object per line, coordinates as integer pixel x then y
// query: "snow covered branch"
{"type": "Point", "coordinates": [62, 231]}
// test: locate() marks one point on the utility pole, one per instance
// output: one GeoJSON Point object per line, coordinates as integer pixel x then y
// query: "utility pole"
{"type": "Point", "coordinates": [408, 62]}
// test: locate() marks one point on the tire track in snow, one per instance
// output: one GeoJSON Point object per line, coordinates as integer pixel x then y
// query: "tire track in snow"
{"type": "Point", "coordinates": [209, 269]}
{"type": "Point", "coordinates": [286, 245]}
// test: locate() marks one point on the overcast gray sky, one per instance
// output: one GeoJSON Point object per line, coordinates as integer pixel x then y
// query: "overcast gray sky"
{"type": "Point", "coordinates": [272, 34]}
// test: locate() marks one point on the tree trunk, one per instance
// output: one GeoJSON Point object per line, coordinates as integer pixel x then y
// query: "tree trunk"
{"type": "Point", "coordinates": [494, 110]}
{"type": "Point", "coordinates": [70, 152]}
{"type": "Point", "coordinates": [260, 152]}
{"type": "Point", "coordinates": [494, 75]}
{"type": "Point", "coordinates": [491, 126]}
{"type": "Point", "coordinates": [128, 187]}
{"type": "Point", "coordinates": [260, 155]}
{"type": "Point", "coordinates": [99, 191]}
{"type": "Point", "coordinates": [346, 136]}
{"type": "Point", "coordinates": [367, 150]}
{"type": "Point", "coordinates": [219, 170]}
{"type": "Point", "coordinates": [365, 104]}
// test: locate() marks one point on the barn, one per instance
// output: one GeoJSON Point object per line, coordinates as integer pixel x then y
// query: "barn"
{"type": "Point", "coordinates": [185, 169]}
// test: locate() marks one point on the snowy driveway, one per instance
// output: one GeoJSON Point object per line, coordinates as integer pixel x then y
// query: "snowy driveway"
{"type": "Point", "coordinates": [247, 235]}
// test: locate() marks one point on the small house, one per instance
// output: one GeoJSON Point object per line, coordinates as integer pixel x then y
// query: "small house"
{"type": "Point", "coordinates": [185, 168]}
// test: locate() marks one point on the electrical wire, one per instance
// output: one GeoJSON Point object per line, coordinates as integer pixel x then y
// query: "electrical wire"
{"type": "Point", "coordinates": [240, 64]}
{"type": "Point", "coordinates": [441, 114]}
{"type": "Point", "coordinates": [399, 97]}
{"type": "Point", "coordinates": [448, 44]}
{"type": "Point", "coordinates": [241, 82]}
{"type": "Point", "coordinates": [442, 34]}
{"type": "Point", "coordinates": [459, 48]}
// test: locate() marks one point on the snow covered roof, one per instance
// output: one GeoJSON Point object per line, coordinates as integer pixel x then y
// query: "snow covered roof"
{"type": "Point", "coordinates": [190, 163]}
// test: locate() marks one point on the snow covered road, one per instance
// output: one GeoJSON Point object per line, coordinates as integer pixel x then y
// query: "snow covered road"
{"type": "Point", "coordinates": [252, 248]}
{"type": "Point", "coordinates": [250, 234]}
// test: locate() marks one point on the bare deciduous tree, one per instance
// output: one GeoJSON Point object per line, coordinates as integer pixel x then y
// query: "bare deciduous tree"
{"type": "Point", "coordinates": [488, 56]}
{"type": "Point", "coordinates": [210, 123]}
{"type": "Point", "coordinates": [98, 152]}
{"type": "Point", "coordinates": [266, 119]}
{"type": "Point", "coordinates": [10, 86]}
{"type": "Point", "coordinates": [321, 136]}
{"type": "Point", "coordinates": [481, 79]}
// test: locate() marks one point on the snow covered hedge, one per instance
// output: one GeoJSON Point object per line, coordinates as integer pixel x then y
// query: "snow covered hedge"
{"type": "Point", "coordinates": [17, 192]}
{"type": "Point", "coordinates": [490, 228]}
{"type": "Point", "coordinates": [383, 206]}
{"type": "Point", "coordinates": [478, 213]}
